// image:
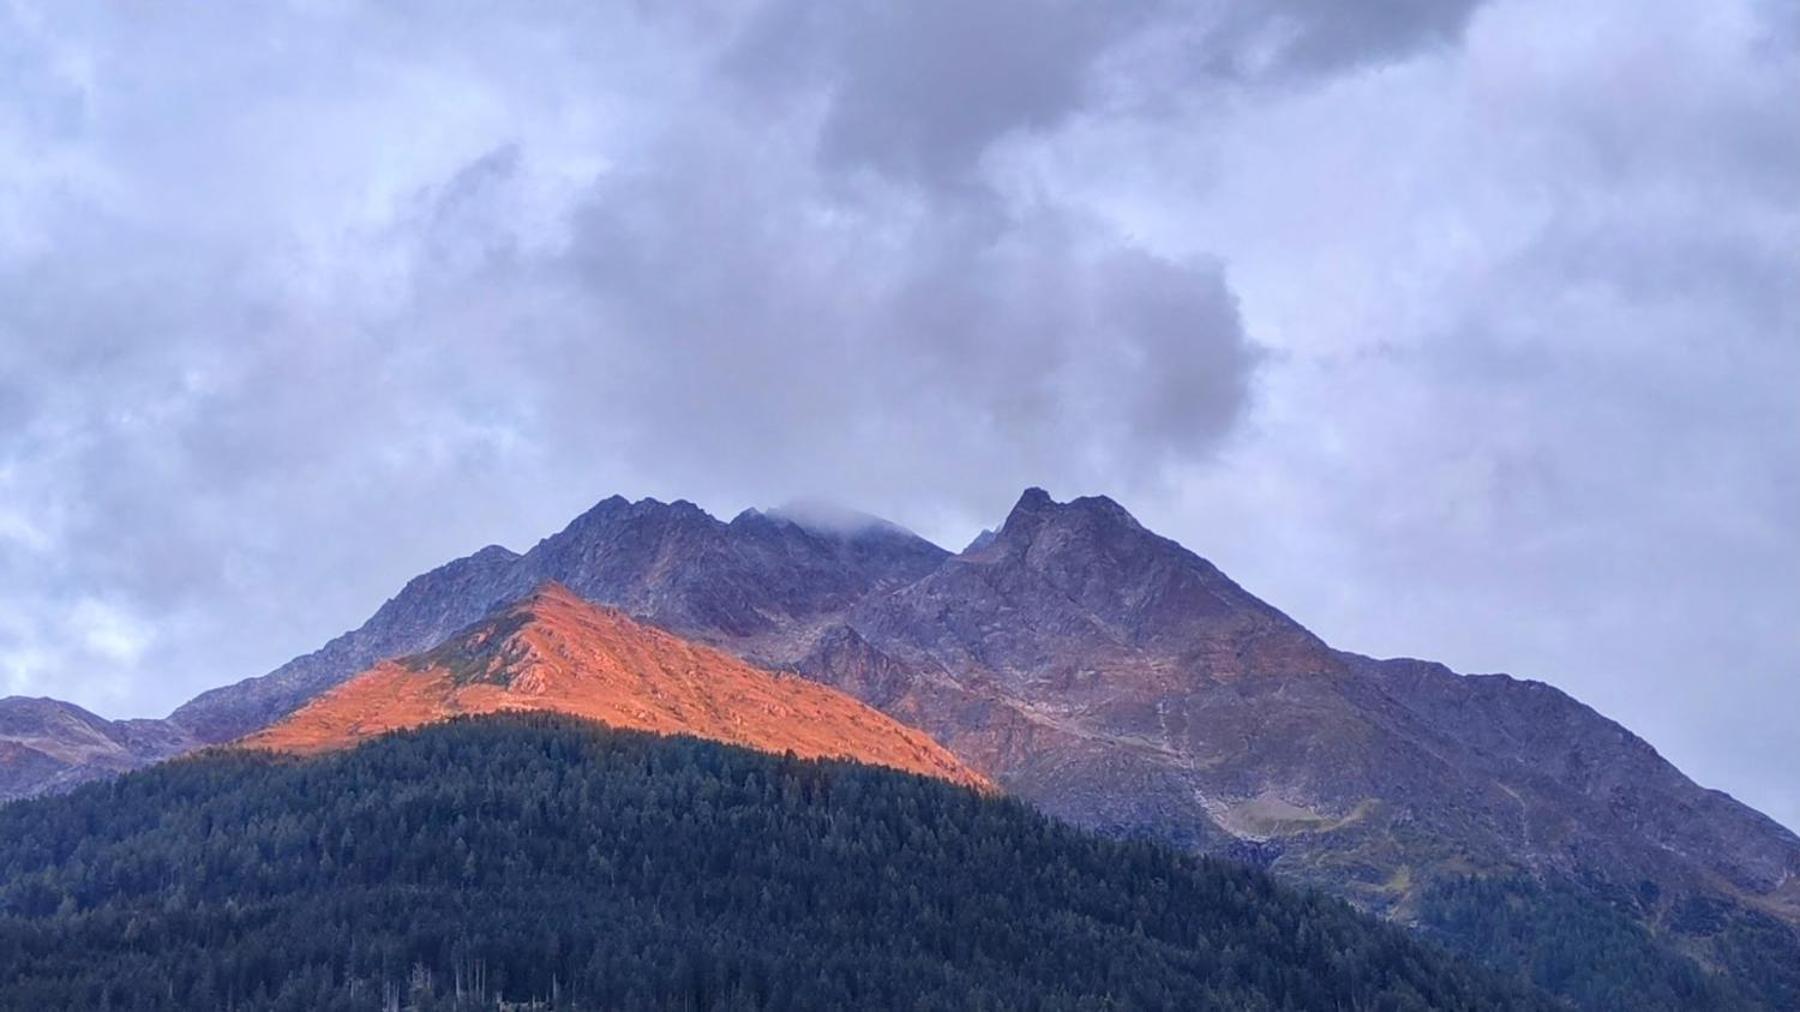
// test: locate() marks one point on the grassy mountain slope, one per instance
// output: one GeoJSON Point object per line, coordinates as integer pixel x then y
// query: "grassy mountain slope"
{"type": "Point", "coordinates": [555, 652]}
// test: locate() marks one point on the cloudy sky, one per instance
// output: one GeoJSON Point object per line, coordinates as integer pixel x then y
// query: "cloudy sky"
{"type": "Point", "coordinates": [1458, 329]}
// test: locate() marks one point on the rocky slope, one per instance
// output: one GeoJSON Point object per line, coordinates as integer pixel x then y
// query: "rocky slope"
{"type": "Point", "coordinates": [428, 609]}
{"type": "Point", "coordinates": [1122, 681]}
{"type": "Point", "coordinates": [555, 652]}
{"type": "Point", "coordinates": [1119, 680]}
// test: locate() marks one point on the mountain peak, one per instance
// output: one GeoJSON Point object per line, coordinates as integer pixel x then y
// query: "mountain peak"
{"type": "Point", "coordinates": [608, 506]}
{"type": "Point", "coordinates": [1035, 509]}
{"type": "Point", "coordinates": [553, 651]}
{"type": "Point", "coordinates": [1036, 500]}
{"type": "Point", "coordinates": [616, 508]}
{"type": "Point", "coordinates": [1032, 510]}
{"type": "Point", "coordinates": [1098, 592]}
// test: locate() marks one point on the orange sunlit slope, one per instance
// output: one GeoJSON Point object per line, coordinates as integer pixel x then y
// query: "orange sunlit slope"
{"type": "Point", "coordinates": [554, 651]}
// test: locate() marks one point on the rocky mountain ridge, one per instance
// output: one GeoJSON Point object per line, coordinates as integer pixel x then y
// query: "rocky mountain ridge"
{"type": "Point", "coordinates": [755, 582]}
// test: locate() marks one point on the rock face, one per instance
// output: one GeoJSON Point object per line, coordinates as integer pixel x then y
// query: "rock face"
{"type": "Point", "coordinates": [1064, 655]}
{"type": "Point", "coordinates": [556, 652]}
{"type": "Point", "coordinates": [1586, 791]}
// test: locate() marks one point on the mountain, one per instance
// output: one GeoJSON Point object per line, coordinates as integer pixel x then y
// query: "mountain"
{"type": "Point", "coordinates": [1120, 681]}
{"type": "Point", "coordinates": [530, 860]}
{"type": "Point", "coordinates": [47, 745]}
{"type": "Point", "coordinates": [759, 583]}
{"type": "Point", "coordinates": [555, 652]}
{"type": "Point", "coordinates": [1116, 679]}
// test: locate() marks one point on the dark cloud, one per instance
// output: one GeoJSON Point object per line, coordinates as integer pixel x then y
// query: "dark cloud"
{"type": "Point", "coordinates": [920, 90]}
{"type": "Point", "coordinates": [257, 339]}
{"type": "Point", "coordinates": [735, 331]}
{"type": "Point", "coordinates": [1311, 37]}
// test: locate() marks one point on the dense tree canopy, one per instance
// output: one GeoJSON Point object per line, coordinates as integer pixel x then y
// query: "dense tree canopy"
{"type": "Point", "coordinates": [538, 858]}
{"type": "Point", "coordinates": [1572, 941]}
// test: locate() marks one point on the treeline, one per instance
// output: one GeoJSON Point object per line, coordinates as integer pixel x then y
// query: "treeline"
{"type": "Point", "coordinates": [540, 859]}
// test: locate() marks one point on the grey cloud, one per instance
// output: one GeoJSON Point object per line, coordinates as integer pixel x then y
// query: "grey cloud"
{"type": "Point", "coordinates": [1311, 37]}
{"type": "Point", "coordinates": [1561, 443]}
{"type": "Point", "coordinates": [233, 376]}
{"type": "Point", "coordinates": [920, 90]}
{"type": "Point", "coordinates": [780, 339]}
{"type": "Point", "coordinates": [1183, 389]}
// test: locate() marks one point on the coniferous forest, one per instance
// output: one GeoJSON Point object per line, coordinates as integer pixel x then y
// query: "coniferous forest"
{"type": "Point", "coordinates": [1575, 943]}
{"type": "Point", "coordinates": [544, 860]}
